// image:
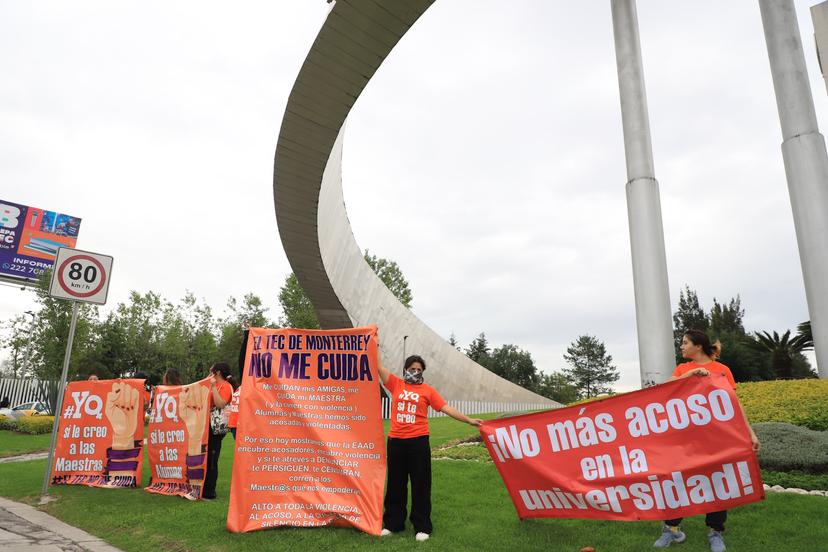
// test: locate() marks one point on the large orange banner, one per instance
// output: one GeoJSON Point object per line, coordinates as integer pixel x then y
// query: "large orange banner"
{"type": "Point", "coordinates": [177, 439]}
{"type": "Point", "coordinates": [669, 451]}
{"type": "Point", "coordinates": [309, 441]}
{"type": "Point", "coordinates": [101, 434]}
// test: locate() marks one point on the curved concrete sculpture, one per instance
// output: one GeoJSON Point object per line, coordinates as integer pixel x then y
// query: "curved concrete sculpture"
{"type": "Point", "coordinates": [310, 210]}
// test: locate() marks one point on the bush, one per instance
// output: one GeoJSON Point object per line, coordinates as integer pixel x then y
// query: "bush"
{"type": "Point", "coordinates": [787, 447]}
{"type": "Point", "coordinates": [796, 479]}
{"type": "Point", "coordinates": [798, 402]}
{"type": "Point", "coordinates": [35, 425]}
{"type": "Point", "coordinates": [8, 423]}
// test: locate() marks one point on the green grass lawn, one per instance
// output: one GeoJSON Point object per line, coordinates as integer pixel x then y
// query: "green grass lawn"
{"type": "Point", "coordinates": [472, 511]}
{"type": "Point", "coordinates": [13, 443]}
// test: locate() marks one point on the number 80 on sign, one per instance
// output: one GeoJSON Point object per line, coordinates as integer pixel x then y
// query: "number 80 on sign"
{"type": "Point", "coordinates": [81, 276]}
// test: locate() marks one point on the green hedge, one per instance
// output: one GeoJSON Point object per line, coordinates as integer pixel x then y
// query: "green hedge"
{"type": "Point", "coordinates": [796, 479]}
{"type": "Point", "coordinates": [8, 423]}
{"type": "Point", "coordinates": [786, 447]}
{"type": "Point", "coordinates": [35, 425]}
{"type": "Point", "coordinates": [800, 402]}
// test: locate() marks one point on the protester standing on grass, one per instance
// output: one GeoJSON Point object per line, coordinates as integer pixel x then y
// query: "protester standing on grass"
{"type": "Point", "coordinates": [221, 392]}
{"type": "Point", "coordinates": [702, 355]}
{"type": "Point", "coordinates": [409, 453]}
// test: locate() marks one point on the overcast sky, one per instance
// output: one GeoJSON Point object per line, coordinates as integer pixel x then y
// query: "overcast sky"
{"type": "Point", "coordinates": [485, 156]}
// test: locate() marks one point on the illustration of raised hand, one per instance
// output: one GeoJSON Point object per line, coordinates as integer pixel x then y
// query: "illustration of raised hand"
{"type": "Point", "coordinates": [193, 409]}
{"type": "Point", "coordinates": [122, 402]}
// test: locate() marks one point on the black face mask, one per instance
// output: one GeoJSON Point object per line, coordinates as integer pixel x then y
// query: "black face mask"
{"type": "Point", "coordinates": [413, 378]}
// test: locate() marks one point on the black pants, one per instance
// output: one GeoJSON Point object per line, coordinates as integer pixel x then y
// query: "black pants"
{"type": "Point", "coordinates": [408, 458]}
{"type": "Point", "coordinates": [714, 520]}
{"type": "Point", "coordinates": [213, 452]}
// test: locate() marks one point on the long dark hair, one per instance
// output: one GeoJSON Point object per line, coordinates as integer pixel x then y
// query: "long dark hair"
{"type": "Point", "coordinates": [698, 337]}
{"type": "Point", "coordinates": [224, 369]}
{"type": "Point", "coordinates": [172, 377]}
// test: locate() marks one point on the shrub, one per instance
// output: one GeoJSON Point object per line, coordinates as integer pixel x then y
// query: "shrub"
{"type": "Point", "coordinates": [35, 425]}
{"type": "Point", "coordinates": [799, 402]}
{"type": "Point", "coordinates": [787, 447]}
{"type": "Point", "coordinates": [8, 423]}
{"type": "Point", "coordinates": [797, 479]}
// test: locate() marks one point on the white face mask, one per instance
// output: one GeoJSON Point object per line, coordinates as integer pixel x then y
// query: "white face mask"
{"type": "Point", "coordinates": [413, 377]}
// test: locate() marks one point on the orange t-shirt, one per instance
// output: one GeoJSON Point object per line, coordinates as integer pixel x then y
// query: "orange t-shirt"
{"type": "Point", "coordinates": [233, 417]}
{"type": "Point", "coordinates": [225, 391]}
{"type": "Point", "coordinates": [409, 407]}
{"type": "Point", "coordinates": [712, 367]}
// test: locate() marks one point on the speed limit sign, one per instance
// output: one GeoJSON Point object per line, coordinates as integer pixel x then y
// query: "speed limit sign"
{"type": "Point", "coordinates": [81, 276]}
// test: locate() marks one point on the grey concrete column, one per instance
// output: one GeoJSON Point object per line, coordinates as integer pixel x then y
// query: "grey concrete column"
{"type": "Point", "coordinates": [806, 161]}
{"type": "Point", "coordinates": [652, 293]}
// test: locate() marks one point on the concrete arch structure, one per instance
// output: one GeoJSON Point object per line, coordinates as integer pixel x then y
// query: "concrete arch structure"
{"type": "Point", "coordinates": [310, 210]}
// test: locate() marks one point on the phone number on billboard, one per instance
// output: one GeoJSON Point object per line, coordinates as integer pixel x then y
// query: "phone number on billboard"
{"type": "Point", "coordinates": [11, 267]}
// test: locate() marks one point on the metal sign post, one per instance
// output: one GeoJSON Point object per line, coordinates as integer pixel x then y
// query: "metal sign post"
{"type": "Point", "coordinates": [59, 406]}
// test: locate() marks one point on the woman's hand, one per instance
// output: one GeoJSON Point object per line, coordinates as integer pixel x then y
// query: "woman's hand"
{"type": "Point", "coordinates": [754, 441]}
{"type": "Point", "coordinates": [701, 372]}
{"type": "Point", "coordinates": [475, 422]}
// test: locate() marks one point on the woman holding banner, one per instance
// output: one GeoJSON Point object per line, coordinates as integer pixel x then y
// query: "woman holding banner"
{"type": "Point", "coordinates": [221, 392]}
{"type": "Point", "coordinates": [702, 355]}
{"type": "Point", "coordinates": [409, 453]}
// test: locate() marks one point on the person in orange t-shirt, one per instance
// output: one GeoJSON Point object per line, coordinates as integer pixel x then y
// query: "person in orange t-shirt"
{"type": "Point", "coordinates": [221, 392]}
{"type": "Point", "coordinates": [702, 355]}
{"type": "Point", "coordinates": [409, 453]}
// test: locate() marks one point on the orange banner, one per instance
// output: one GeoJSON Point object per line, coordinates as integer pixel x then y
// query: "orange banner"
{"type": "Point", "coordinates": [177, 439]}
{"type": "Point", "coordinates": [101, 434]}
{"type": "Point", "coordinates": [309, 441]}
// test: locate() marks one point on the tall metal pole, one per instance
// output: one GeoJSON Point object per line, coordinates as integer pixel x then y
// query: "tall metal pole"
{"type": "Point", "coordinates": [27, 355]}
{"type": "Point", "coordinates": [59, 407]}
{"type": "Point", "coordinates": [652, 293]}
{"type": "Point", "coordinates": [806, 162]}
{"type": "Point", "coordinates": [405, 337]}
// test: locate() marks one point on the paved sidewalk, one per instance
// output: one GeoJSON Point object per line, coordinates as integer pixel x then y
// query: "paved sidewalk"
{"type": "Point", "coordinates": [27, 529]}
{"type": "Point", "coordinates": [25, 457]}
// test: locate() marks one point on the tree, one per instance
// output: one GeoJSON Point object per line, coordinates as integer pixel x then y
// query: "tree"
{"type": "Point", "coordinates": [556, 386]}
{"type": "Point", "coordinates": [453, 341]}
{"type": "Point", "coordinates": [250, 312]}
{"type": "Point", "coordinates": [478, 350]}
{"type": "Point", "coordinates": [783, 350]}
{"type": "Point", "coordinates": [689, 316]}
{"type": "Point", "coordinates": [511, 363]}
{"type": "Point", "coordinates": [18, 342]}
{"type": "Point", "coordinates": [727, 318]}
{"type": "Point", "coordinates": [52, 331]}
{"type": "Point", "coordinates": [592, 370]}
{"type": "Point", "coordinates": [298, 310]}
{"type": "Point", "coordinates": [391, 275]}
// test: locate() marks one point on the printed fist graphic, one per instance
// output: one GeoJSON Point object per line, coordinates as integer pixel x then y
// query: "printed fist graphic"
{"type": "Point", "coordinates": [193, 408]}
{"type": "Point", "coordinates": [122, 402]}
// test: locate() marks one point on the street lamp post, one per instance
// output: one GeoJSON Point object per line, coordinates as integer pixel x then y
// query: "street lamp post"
{"type": "Point", "coordinates": [29, 344]}
{"type": "Point", "coordinates": [404, 338]}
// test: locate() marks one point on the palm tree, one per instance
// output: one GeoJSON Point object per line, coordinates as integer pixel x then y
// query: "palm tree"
{"type": "Point", "coordinates": [782, 349]}
{"type": "Point", "coordinates": [805, 329]}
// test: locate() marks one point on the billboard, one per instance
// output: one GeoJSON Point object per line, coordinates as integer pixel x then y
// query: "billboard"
{"type": "Point", "coordinates": [30, 238]}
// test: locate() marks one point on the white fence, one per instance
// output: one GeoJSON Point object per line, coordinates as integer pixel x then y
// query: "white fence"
{"type": "Point", "coordinates": [20, 390]}
{"type": "Point", "coordinates": [474, 407]}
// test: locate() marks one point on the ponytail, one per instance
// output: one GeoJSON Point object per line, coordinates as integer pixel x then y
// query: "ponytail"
{"type": "Point", "coordinates": [716, 350]}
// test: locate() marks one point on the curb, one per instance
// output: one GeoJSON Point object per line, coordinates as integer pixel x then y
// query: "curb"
{"type": "Point", "coordinates": [54, 525]}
